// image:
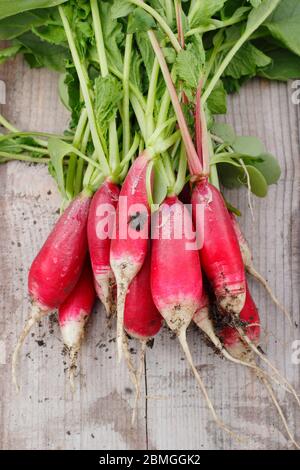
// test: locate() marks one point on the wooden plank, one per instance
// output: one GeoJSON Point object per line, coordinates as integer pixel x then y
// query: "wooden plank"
{"type": "Point", "coordinates": [45, 415]}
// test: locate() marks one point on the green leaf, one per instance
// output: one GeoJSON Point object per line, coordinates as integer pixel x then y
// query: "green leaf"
{"type": "Point", "coordinates": [140, 21]}
{"type": "Point", "coordinates": [234, 177]}
{"type": "Point", "coordinates": [203, 10]}
{"type": "Point", "coordinates": [262, 11]}
{"type": "Point", "coordinates": [13, 26]}
{"type": "Point", "coordinates": [13, 7]}
{"type": "Point", "coordinates": [224, 131]}
{"type": "Point", "coordinates": [55, 34]}
{"type": "Point", "coordinates": [188, 66]}
{"type": "Point", "coordinates": [146, 51]}
{"type": "Point", "coordinates": [258, 183]}
{"type": "Point", "coordinates": [121, 8]}
{"type": "Point", "coordinates": [230, 176]}
{"type": "Point", "coordinates": [285, 66]}
{"type": "Point", "coordinates": [268, 167]}
{"type": "Point", "coordinates": [57, 151]}
{"type": "Point", "coordinates": [72, 83]}
{"type": "Point", "coordinates": [284, 24]}
{"type": "Point", "coordinates": [9, 53]}
{"type": "Point", "coordinates": [246, 61]}
{"type": "Point", "coordinates": [43, 53]}
{"type": "Point", "coordinates": [217, 99]}
{"type": "Point", "coordinates": [63, 91]}
{"type": "Point", "coordinates": [113, 36]}
{"type": "Point", "coordinates": [248, 145]}
{"type": "Point", "coordinates": [108, 94]}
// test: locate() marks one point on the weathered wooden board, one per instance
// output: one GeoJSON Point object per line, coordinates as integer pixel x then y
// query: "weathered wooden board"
{"type": "Point", "coordinates": [45, 415]}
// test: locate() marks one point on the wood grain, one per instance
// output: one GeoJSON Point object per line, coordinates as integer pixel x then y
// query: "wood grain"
{"type": "Point", "coordinates": [45, 415]}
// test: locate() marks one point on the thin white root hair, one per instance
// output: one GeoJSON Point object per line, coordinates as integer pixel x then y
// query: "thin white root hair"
{"type": "Point", "coordinates": [256, 351]}
{"type": "Point", "coordinates": [139, 378]}
{"type": "Point", "coordinates": [279, 409]}
{"type": "Point", "coordinates": [251, 270]}
{"type": "Point", "coordinates": [131, 369]}
{"type": "Point", "coordinates": [226, 354]}
{"type": "Point", "coordinates": [35, 315]}
{"type": "Point", "coordinates": [252, 365]}
{"type": "Point", "coordinates": [219, 422]}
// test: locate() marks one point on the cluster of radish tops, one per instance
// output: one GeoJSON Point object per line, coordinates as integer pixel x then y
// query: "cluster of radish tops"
{"type": "Point", "coordinates": [143, 81]}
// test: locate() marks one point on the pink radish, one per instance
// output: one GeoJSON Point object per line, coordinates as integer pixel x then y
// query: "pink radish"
{"type": "Point", "coordinates": [142, 320]}
{"type": "Point", "coordinates": [129, 246]}
{"type": "Point", "coordinates": [73, 314]}
{"type": "Point", "coordinates": [220, 254]}
{"type": "Point", "coordinates": [230, 336]}
{"type": "Point", "coordinates": [176, 280]}
{"type": "Point", "coordinates": [248, 262]}
{"type": "Point", "coordinates": [100, 231]}
{"type": "Point", "coordinates": [57, 267]}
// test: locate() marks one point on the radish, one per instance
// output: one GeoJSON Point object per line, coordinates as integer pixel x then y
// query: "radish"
{"type": "Point", "coordinates": [251, 324]}
{"type": "Point", "coordinates": [248, 262]}
{"type": "Point", "coordinates": [220, 254]}
{"type": "Point", "coordinates": [57, 267]}
{"type": "Point", "coordinates": [99, 229]}
{"type": "Point", "coordinates": [73, 314]}
{"type": "Point", "coordinates": [176, 280]}
{"type": "Point", "coordinates": [142, 320]}
{"type": "Point", "coordinates": [129, 246]}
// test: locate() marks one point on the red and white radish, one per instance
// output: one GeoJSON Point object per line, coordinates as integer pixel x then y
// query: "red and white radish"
{"type": "Point", "coordinates": [176, 280]}
{"type": "Point", "coordinates": [129, 245]}
{"type": "Point", "coordinates": [57, 267]}
{"type": "Point", "coordinates": [73, 314]}
{"type": "Point", "coordinates": [220, 254]}
{"type": "Point", "coordinates": [232, 340]}
{"type": "Point", "coordinates": [100, 231]}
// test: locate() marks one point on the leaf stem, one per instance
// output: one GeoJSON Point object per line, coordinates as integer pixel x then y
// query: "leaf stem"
{"type": "Point", "coordinates": [194, 163]}
{"type": "Point", "coordinates": [125, 107]}
{"type": "Point", "coordinates": [149, 117]}
{"type": "Point", "coordinates": [83, 79]}
{"type": "Point", "coordinates": [23, 158]}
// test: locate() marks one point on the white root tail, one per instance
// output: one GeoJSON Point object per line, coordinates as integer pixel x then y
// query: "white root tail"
{"type": "Point", "coordinates": [73, 356]}
{"type": "Point", "coordinates": [120, 319]}
{"type": "Point", "coordinates": [280, 412]}
{"type": "Point", "coordinates": [279, 375]}
{"type": "Point", "coordinates": [35, 315]}
{"type": "Point", "coordinates": [139, 378]}
{"type": "Point", "coordinates": [135, 373]}
{"type": "Point", "coordinates": [219, 422]}
{"type": "Point", "coordinates": [251, 270]}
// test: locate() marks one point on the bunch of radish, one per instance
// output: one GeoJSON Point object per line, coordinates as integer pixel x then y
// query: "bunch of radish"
{"type": "Point", "coordinates": [148, 258]}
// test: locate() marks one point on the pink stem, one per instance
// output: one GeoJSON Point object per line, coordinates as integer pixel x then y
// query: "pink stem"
{"type": "Point", "coordinates": [193, 160]}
